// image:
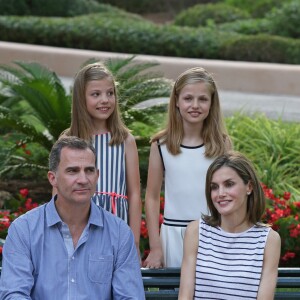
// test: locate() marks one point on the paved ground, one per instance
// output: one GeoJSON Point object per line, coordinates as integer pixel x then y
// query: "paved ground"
{"type": "Point", "coordinates": [274, 106]}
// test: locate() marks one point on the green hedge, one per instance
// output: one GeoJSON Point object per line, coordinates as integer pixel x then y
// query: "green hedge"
{"type": "Point", "coordinates": [116, 34]}
{"type": "Point", "coordinates": [131, 34]}
{"type": "Point", "coordinates": [202, 14]}
{"type": "Point", "coordinates": [263, 48]}
{"type": "Point", "coordinates": [250, 26]}
{"type": "Point", "coordinates": [257, 8]}
{"type": "Point", "coordinates": [282, 21]}
{"type": "Point", "coordinates": [285, 20]}
{"type": "Point", "coordinates": [153, 6]}
{"type": "Point", "coordinates": [53, 8]}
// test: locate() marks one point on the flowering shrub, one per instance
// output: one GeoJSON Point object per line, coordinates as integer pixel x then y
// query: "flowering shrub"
{"type": "Point", "coordinates": [15, 208]}
{"type": "Point", "coordinates": [23, 146]}
{"type": "Point", "coordinates": [144, 238]}
{"type": "Point", "coordinates": [282, 213]}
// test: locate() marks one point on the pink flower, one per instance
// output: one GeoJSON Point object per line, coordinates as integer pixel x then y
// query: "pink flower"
{"type": "Point", "coordinates": [295, 231]}
{"type": "Point", "coordinates": [144, 230]}
{"type": "Point", "coordinates": [161, 219]}
{"type": "Point", "coordinates": [288, 255]}
{"type": "Point", "coordinates": [286, 196]}
{"type": "Point", "coordinates": [283, 214]}
{"type": "Point", "coordinates": [24, 192]}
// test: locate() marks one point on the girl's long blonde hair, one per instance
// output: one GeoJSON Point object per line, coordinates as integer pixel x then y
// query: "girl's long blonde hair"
{"type": "Point", "coordinates": [81, 121]}
{"type": "Point", "coordinates": [214, 132]}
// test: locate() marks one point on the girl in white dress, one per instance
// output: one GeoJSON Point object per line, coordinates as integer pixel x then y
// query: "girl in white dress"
{"type": "Point", "coordinates": [180, 155]}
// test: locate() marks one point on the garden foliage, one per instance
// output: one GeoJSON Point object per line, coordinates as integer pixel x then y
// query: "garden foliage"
{"type": "Point", "coordinates": [282, 214]}
{"type": "Point", "coordinates": [204, 14]}
{"type": "Point", "coordinates": [257, 8]}
{"type": "Point", "coordinates": [153, 6]}
{"type": "Point", "coordinates": [110, 29]}
{"type": "Point", "coordinates": [52, 8]}
{"type": "Point", "coordinates": [35, 107]}
{"type": "Point", "coordinates": [273, 146]}
{"type": "Point", "coordinates": [285, 20]}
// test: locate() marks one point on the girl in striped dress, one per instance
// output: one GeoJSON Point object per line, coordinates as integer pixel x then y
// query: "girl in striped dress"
{"type": "Point", "coordinates": [96, 116]}
{"type": "Point", "coordinates": [179, 156]}
{"type": "Point", "coordinates": [230, 254]}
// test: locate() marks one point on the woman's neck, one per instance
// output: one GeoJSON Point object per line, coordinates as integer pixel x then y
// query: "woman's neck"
{"type": "Point", "coordinates": [235, 225]}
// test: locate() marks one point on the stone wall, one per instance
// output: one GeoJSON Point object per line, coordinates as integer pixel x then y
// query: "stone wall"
{"type": "Point", "coordinates": [249, 77]}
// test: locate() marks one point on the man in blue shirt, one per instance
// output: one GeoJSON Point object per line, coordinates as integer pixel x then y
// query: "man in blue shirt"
{"type": "Point", "coordinates": [69, 248]}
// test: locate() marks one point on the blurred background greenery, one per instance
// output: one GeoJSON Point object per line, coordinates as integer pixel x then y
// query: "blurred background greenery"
{"type": "Point", "coordinates": [35, 107]}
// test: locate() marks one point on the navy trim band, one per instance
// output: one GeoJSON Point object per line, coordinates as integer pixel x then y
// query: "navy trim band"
{"type": "Point", "coordinates": [191, 147]}
{"type": "Point", "coordinates": [178, 223]}
{"type": "Point", "coordinates": [160, 153]}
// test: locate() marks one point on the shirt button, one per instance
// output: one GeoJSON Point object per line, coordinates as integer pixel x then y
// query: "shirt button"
{"type": "Point", "coordinates": [73, 257]}
{"type": "Point", "coordinates": [72, 280]}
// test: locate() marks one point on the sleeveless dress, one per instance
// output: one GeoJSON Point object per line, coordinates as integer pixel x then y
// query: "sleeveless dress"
{"type": "Point", "coordinates": [185, 199]}
{"type": "Point", "coordinates": [229, 265]}
{"type": "Point", "coordinates": [111, 191]}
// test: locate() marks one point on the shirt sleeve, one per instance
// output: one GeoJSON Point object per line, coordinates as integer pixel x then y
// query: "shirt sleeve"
{"type": "Point", "coordinates": [127, 279]}
{"type": "Point", "coordinates": [16, 276]}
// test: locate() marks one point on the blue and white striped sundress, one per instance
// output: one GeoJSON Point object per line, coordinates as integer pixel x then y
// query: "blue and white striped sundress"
{"type": "Point", "coordinates": [229, 265]}
{"type": "Point", "coordinates": [111, 191]}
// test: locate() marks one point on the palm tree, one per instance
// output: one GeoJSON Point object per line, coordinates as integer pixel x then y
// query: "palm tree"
{"type": "Point", "coordinates": [35, 105]}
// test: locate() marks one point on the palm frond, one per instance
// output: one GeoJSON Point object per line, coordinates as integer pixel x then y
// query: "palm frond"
{"type": "Point", "coordinates": [115, 65]}
{"type": "Point", "coordinates": [20, 166]}
{"type": "Point", "coordinates": [13, 122]}
{"type": "Point", "coordinates": [10, 75]}
{"type": "Point", "coordinates": [34, 103]}
{"type": "Point", "coordinates": [136, 84]}
{"type": "Point", "coordinates": [145, 90]}
{"type": "Point", "coordinates": [35, 70]}
{"type": "Point", "coordinates": [40, 93]}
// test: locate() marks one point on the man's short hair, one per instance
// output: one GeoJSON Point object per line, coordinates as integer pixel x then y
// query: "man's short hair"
{"type": "Point", "coordinates": [71, 142]}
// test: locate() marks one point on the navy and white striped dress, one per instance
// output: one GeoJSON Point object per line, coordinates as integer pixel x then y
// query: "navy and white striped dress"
{"type": "Point", "coordinates": [111, 191]}
{"type": "Point", "coordinates": [229, 265]}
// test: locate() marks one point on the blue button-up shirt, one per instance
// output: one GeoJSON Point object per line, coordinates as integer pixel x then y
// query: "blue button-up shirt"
{"type": "Point", "coordinates": [36, 264]}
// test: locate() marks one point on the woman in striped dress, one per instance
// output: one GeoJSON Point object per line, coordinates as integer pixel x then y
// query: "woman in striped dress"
{"type": "Point", "coordinates": [230, 254]}
{"type": "Point", "coordinates": [96, 116]}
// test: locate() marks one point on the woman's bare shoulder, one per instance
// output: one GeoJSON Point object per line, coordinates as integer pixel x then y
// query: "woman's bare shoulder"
{"type": "Point", "coordinates": [274, 238]}
{"type": "Point", "coordinates": [193, 228]}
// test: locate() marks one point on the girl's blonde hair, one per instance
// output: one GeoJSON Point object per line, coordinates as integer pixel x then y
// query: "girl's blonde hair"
{"type": "Point", "coordinates": [214, 133]}
{"type": "Point", "coordinates": [81, 123]}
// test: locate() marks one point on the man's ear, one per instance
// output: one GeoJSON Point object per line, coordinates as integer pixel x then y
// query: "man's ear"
{"type": "Point", "coordinates": [52, 178]}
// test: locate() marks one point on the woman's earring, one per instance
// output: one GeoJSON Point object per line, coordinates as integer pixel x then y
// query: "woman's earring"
{"type": "Point", "coordinates": [248, 193]}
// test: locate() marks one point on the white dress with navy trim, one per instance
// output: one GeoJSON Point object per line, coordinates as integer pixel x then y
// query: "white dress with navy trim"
{"type": "Point", "coordinates": [229, 265]}
{"type": "Point", "coordinates": [185, 199]}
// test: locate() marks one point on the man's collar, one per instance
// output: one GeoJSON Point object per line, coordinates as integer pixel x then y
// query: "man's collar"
{"type": "Point", "coordinates": [52, 216]}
